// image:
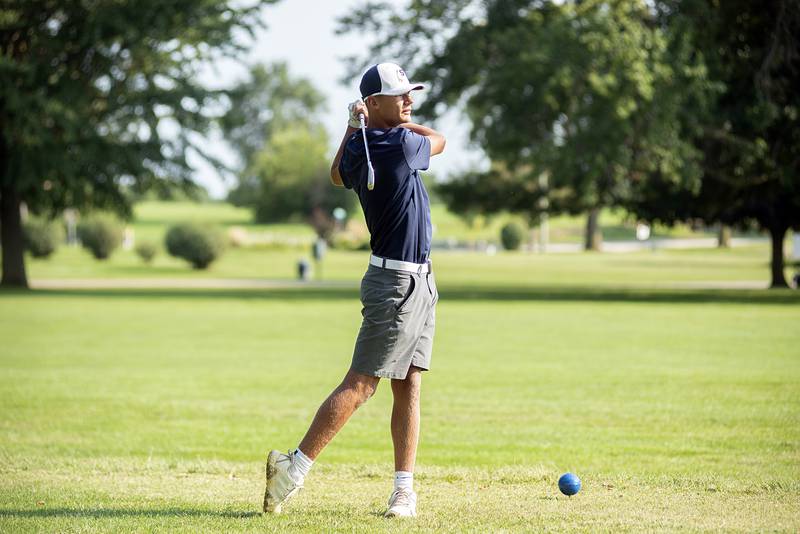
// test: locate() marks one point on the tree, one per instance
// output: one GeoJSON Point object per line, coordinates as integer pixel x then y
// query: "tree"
{"type": "Point", "coordinates": [582, 93]}
{"type": "Point", "coordinates": [269, 100]}
{"type": "Point", "coordinates": [749, 134]}
{"type": "Point", "coordinates": [87, 92]}
{"type": "Point", "coordinates": [293, 174]}
{"type": "Point", "coordinates": [273, 123]}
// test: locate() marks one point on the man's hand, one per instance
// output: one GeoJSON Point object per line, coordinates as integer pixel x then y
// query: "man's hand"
{"type": "Point", "coordinates": [355, 109]}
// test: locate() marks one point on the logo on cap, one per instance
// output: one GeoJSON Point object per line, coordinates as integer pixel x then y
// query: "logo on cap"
{"type": "Point", "coordinates": [402, 76]}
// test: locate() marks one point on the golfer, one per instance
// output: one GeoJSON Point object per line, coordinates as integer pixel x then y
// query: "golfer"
{"type": "Point", "coordinates": [398, 291]}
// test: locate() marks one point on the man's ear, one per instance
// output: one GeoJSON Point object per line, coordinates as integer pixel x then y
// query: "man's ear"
{"type": "Point", "coordinates": [371, 102]}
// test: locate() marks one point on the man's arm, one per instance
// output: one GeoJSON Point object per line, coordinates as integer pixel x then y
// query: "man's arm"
{"type": "Point", "coordinates": [336, 178]}
{"type": "Point", "coordinates": [437, 140]}
{"type": "Point", "coordinates": [354, 110]}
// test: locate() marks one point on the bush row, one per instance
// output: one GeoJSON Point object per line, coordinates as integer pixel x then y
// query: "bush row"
{"type": "Point", "coordinates": [199, 245]}
{"type": "Point", "coordinates": [102, 233]}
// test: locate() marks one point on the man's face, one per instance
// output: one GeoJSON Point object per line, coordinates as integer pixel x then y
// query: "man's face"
{"type": "Point", "coordinates": [393, 110]}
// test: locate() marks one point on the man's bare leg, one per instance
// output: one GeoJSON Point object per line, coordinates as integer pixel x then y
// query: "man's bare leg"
{"type": "Point", "coordinates": [334, 412]}
{"type": "Point", "coordinates": [405, 419]}
{"type": "Point", "coordinates": [286, 472]}
{"type": "Point", "coordinates": [405, 436]}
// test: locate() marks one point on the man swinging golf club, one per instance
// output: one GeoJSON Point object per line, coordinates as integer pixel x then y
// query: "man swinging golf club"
{"type": "Point", "coordinates": [381, 164]}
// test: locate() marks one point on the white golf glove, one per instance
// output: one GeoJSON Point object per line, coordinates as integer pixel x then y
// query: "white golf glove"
{"type": "Point", "coordinates": [353, 121]}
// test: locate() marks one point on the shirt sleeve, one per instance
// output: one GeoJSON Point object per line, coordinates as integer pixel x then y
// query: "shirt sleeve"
{"type": "Point", "coordinates": [417, 150]}
{"type": "Point", "coordinates": [342, 165]}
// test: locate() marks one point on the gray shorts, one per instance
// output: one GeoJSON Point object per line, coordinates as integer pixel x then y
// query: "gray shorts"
{"type": "Point", "coordinates": [399, 321]}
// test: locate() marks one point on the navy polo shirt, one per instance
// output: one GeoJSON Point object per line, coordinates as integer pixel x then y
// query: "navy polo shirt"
{"type": "Point", "coordinates": [397, 210]}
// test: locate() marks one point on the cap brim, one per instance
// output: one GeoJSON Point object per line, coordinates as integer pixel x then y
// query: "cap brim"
{"type": "Point", "coordinates": [401, 90]}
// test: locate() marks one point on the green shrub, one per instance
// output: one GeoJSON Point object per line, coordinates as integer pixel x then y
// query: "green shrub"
{"type": "Point", "coordinates": [100, 233]}
{"type": "Point", "coordinates": [199, 245]}
{"type": "Point", "coordinates": [511, 236]}
{"type": "Point", "coordinates": [41, 236]}
{"type": "Point", "coordinates": [146, 250]}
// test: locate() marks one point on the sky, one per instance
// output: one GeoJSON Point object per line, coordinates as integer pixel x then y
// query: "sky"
{"type": "Point", "coordinates": [302, 33]}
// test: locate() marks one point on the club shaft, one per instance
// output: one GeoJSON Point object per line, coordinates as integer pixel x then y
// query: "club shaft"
{"type": "Point", "coordinates": [370, 170]}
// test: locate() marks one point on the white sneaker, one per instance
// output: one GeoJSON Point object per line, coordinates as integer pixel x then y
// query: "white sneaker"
{"type": "Point", "coordinates": [280, 486]}
{"type": "Point", "coordinates": [402, 503]}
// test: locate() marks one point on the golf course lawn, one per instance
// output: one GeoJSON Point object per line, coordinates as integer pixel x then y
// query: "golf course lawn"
{"type": "Point", "coordinates": [153, 410]}
{"type": "Point", "coordinates": [152, 217]}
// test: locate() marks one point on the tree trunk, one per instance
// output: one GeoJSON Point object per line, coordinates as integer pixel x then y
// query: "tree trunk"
{"type": "Point", "coordinates": [778, 280]}
{"type": "Point", "coordinates": [594, 238]}
{"type": "Point", "coordinates": [724, 236]}
{"type": "Point", "coordinates": [11, 239]}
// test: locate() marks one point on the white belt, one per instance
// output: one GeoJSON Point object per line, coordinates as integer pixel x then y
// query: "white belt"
{"type": "Point", "coordinates": [397, 265]}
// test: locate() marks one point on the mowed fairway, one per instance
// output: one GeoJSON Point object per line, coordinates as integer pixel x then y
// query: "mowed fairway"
{"type": "Point", "coordinates": [153, 410]}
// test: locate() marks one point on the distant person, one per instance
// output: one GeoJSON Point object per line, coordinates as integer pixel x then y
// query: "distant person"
{"type": "Point", "coordinates": [398, 291]}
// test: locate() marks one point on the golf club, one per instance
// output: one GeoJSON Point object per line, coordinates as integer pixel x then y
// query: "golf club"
{"type": "Point", "coordinates": [370, 171]}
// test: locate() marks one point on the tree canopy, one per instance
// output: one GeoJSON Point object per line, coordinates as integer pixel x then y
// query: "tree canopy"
{"type": "Point", "coordinates": [97, 97]}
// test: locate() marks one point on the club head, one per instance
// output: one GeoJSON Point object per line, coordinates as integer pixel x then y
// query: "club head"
{"type": "Point", "coordinates": [370, 178]}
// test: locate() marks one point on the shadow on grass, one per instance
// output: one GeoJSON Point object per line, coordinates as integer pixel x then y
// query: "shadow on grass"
{"type": "Point", "coordinates": [99, 513]}
{"type": "Point", "coordinates": [448, 294]}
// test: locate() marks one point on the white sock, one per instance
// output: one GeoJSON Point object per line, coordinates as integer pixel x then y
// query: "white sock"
{"type": "Point", "coordinates": [403, 480]}
{"type": "Point", "coordinates": [300, 467]}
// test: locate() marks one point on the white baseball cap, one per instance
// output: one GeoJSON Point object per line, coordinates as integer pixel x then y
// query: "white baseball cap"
{"type": "Point", "coordinates": [386, 79]}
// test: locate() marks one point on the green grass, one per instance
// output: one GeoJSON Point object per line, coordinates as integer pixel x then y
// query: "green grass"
{"type": "Point", "coordinates": [615, 226]}
{"type": "Point", "coordinates": [647, 268]}
{"type": "Point", "coordinates": [152, 410]}
{"type": "Point", "coordinates": [288, 243]}
{"type": "Point", "coordinates": [151, 219]}
{"type": "Point", "coordinates": [282, 245]}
